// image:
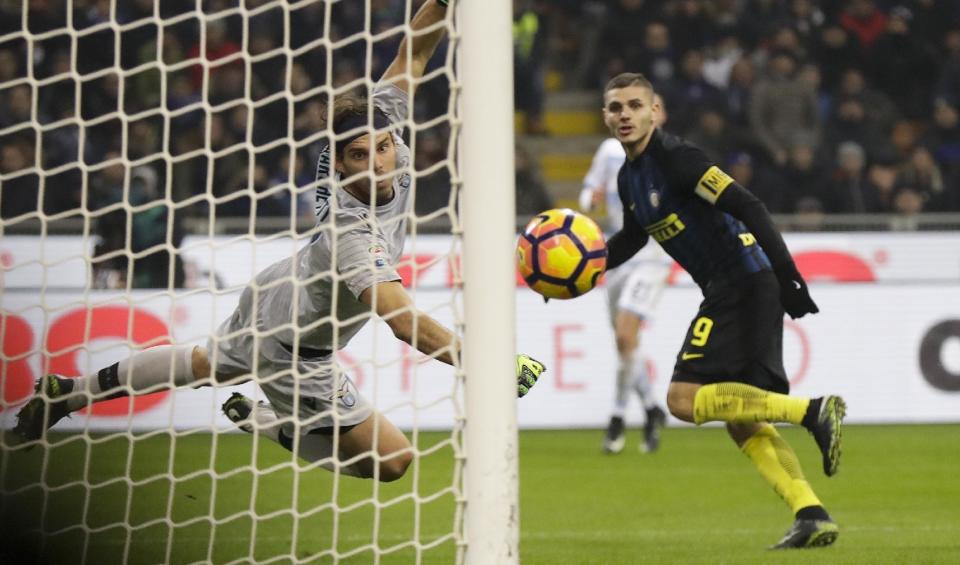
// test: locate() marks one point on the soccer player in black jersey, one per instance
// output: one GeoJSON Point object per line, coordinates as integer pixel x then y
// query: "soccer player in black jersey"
{"type": "Point", "coordinates": [730, 368]}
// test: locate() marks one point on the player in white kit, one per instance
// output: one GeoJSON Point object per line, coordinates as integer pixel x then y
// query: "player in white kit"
{"type": "Point", "coordinates": [299, 311]}
{"type": "Point", "coordinates": [633, 292]}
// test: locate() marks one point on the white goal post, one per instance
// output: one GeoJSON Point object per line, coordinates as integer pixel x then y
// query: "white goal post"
{"type": "Point", "coordinates": [486, 70]}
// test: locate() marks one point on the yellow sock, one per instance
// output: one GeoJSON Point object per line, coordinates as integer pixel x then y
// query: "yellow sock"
{"type": "Point", "coordinates": [737, 402]}
{"type": "Point", "coordinates": [778, 465]}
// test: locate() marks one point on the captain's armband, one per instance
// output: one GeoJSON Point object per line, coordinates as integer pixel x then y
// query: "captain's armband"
{"type": "Point", "coordinates": [712, 184]}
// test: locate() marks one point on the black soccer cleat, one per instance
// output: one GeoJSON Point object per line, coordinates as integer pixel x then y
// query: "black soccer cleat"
{"type": "Point", "coordinates": [656, 419]}
{"type": "Point", "coordinates": [238, 408]}
{"type": "Point", "coordinates": [826, 431]}
{"type": "Point", "coordinates": [47, 407]}
{"type": "Point", "coordinates": [809, 533]}
{"type": "Point", "coordinates": [614, 439]}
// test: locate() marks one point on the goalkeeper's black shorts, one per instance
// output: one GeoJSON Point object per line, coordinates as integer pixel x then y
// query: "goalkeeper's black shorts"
{"type": "Point", "coordinates": [736, 336]}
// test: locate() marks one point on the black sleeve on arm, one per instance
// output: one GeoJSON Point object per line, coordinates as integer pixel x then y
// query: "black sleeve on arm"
{"type": "Point", "coordinates": [744, 206]}
{"type": "Point", "coordinates": [625, 243]}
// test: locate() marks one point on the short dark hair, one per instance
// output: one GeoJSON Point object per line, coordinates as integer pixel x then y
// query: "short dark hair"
{"type": "Point", "coordinates": [624, 80]}
{"type": "Point", "coordinates": [345, 106]}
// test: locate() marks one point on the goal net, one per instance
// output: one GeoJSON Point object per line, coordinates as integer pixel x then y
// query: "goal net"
{"type": "Point", "coordinates": [158, 156]}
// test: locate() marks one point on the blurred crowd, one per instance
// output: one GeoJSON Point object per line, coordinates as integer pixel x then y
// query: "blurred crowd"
{"type": "Point", "coordinates": [818, 106]}
{"type": "Point", "coordinates": [841, 106]}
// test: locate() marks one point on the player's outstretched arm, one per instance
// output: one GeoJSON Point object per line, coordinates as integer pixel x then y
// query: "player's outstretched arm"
{"type": "Point", "coordinates": [625, 243]}
{"type": "Point", "coordinates": [392, 303]}
{"type": "Point", "coordinates": [744, 206]}
{"type": "Point", "coordinates": [417, 48]}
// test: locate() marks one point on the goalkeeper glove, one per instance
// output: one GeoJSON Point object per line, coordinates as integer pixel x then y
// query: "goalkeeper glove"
{"type": "Point", "coordinates": [794, 294]}
{"type": "Point", "coordinates": [528, 371]}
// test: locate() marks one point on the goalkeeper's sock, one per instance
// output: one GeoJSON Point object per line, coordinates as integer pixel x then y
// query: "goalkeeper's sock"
{"type": "Point", "coordinates": [778, 465]}
{"type": "Point", "coordinates": [738, 402]}
{"type": "Point", "coordinates": [145, 371]}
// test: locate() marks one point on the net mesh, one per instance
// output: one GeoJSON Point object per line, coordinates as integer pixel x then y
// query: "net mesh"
{"type": "Point", "coordinates": [155, 157]}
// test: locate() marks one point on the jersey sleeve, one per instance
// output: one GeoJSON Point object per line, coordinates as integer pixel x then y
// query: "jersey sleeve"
{"type": "Point", "coordinates": [629, 240]}
{"type": "Point", "coordinates": [363, 258]}
{"type": "Point", "coordinates": [697, 174]}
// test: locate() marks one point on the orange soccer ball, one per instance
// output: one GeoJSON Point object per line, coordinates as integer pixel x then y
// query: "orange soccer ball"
{"type": "Point", "coordinates": [561, 253]}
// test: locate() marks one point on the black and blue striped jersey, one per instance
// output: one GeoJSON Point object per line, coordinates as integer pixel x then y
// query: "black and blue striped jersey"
{"type": "Point", "coordinates": [669, 193]}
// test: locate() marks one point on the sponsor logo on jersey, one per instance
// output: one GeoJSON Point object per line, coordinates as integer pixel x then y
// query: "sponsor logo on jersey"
{"type": "Point", "coordinates": [665, 229]}
{"type": "Point", "coordinates": [345, 395]}
{"type": "Point", "coordinates": [378, 251]}
{"type": "Point", "coordinates": [321, 206]}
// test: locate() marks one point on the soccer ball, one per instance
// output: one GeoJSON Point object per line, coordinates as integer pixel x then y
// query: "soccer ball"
{"type": "Point", "coordinates": [561, 253]}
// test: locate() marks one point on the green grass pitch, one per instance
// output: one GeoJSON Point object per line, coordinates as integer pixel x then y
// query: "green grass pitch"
{"type": "Point", "coordinates": [698, 500]}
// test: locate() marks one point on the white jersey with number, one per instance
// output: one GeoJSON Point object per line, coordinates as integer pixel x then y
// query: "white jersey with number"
{"type": "Point", "coordinates": [310, 302]}
{"type": "Point", "coordinates": [636, 285]}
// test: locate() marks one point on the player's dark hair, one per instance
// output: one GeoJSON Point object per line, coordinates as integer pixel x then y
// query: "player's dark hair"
{"type": "Point", "coordinates": [624, 80]}
{"type": "Point", "coordinates": [350, 113]}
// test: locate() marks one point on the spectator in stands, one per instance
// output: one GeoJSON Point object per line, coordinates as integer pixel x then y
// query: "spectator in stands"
{"type": "Point", "coordinates": [806, 19]}
{"type": "Point", "coordinates": [835, 51]}
{"type": "Point", "coordinates": [907, 202]}
{"type": "Point", "coordinates": [882, 111]}
{"type": "Point", "coordinates": [9, 67]}
{"type": "Point", "coordinates": [759, 19]}
{"type": "Point", "coordinates": [783, 108]}
{"type": "Point", "coordinates": [810, 74]}
{"type": "Point", "coordinates": [865, 21]}
{"type": "Point", "coordinates": [532, 195]}
{"type": "Point", "coordinates": [529, 38]}
{"type": "Point", "coordinates": [923, 175]}
{"type": "Point", "coordinates": [712, 134]}
{"type": "Point", "coordinates": [738, 93]}
{"type": "Point", "coordinates": [850, 190]}
{"type": "Point", "coordinates": [932, 19]}
{"type": "Point", "coordinates": [850, 123]}
{"type": "Point", "coordinates": [803, 175]}
{"type": "Point", "coordinates": [882, 173]}
{"type": "Point", "coordinates": [763, 181]}
{"type": "Point", "coordinates": [656, 60]}
{"type": "Point", "coordinates": [690, 26]}
{"type": "Point", "coordinates": [218, 46]}
{"type": "Point", "coordinates": [150, 235]}
{"type": "Point", "coordinates": [691, 93]}
{"type": "Point", "coordinates": [808, 215]}
{"type": "Point", "coordinates": [619, 49]}
{"type": "Point", "coordinates": [18, 195]}
{"type": "Point", "coordinates": [899, 54]}
{"type": "Point", "coordinates": [721, 56]}
{"type": "Point", "coordinates": [943, 142]}
{"type": "Point", "coordinates": [18, 102]}
{"type": "Point", "coordinates": [948, 87]}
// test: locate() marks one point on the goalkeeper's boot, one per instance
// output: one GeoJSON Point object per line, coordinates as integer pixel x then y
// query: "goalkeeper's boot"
{"type": "Point", "coordinates": [826, 431]}
{"type": "Point", "coordinates": [656, 419]}
{"type": "Point", "coordinates": [238, 408]}
{"type": "Point", "coordinates": [47, 407]}
{"type": "Point", "coordinates": [614, 439]}
{"type": "Point", "coordinates": [809, 533]}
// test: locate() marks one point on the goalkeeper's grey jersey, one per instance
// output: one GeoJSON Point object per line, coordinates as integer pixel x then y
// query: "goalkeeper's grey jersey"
{"type": "Point", "coordinates": [357, 247]}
